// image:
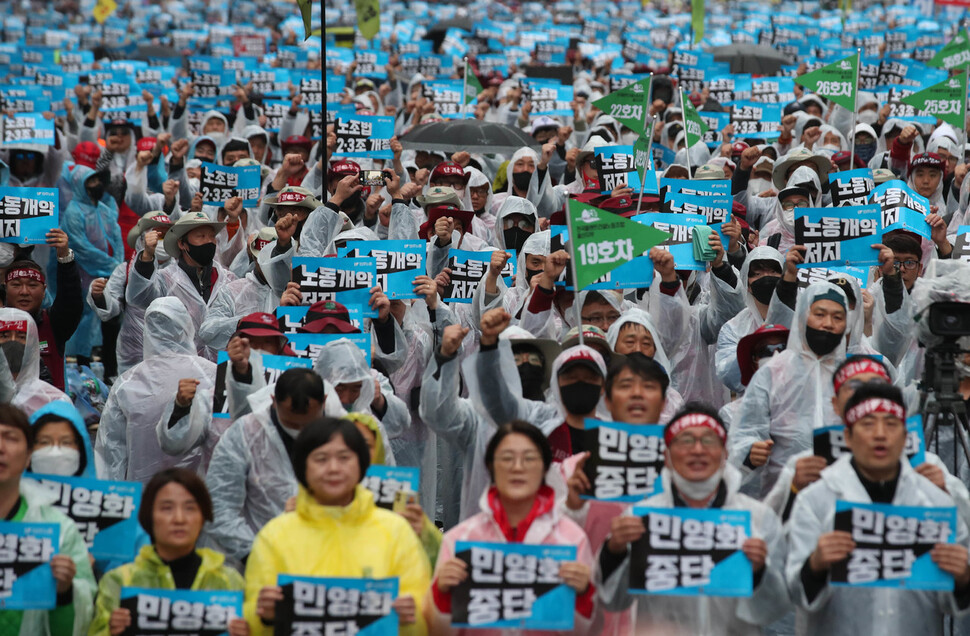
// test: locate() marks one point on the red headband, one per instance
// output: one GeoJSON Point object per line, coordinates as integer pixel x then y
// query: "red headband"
{"type": "Point", "coordinates": [258, 244]}
{"type": "Point", "coordinates": [691, 420]}
{"type": "Point", "coordinates": [25, 272]}
{"type": "Point", "coordinates": [859, 367]}
{"type": "Point", "coordinates": [20, 326]}
{"type": "Point", "coordinates": [873, 405]}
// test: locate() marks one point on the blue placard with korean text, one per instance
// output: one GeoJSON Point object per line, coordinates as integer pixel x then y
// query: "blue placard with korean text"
{"type": "Point", "coordinates": [272, 365]}
{"type": "Point", "coordinates": [27, 128]}
{"type": "Point", "coordinates": [308, 345]}
{"type": "Point", "coordinates": [892, 545]}
{"type": "Point", "coordinates": [839, 236]}
{"type": "Point", "coordinates": [468, 268]}
{"type": "Point", "coordinates": [27, 214]}
{"type": "Point", "coordinates": [398, 263]}
{"type": "Point", "coordinates": [218, 184]}
{"type": "Point", "coordinates": [180, 612]}
{"type": "Point", "coordinates": [513, 586]}
{"type": "Point", "coordinates": [615, 168]}
{"type": "Point", "coordinates": [105, 512]}
{"type": "Point", "coordinates": [345, 280]}
{"type": "Point", "coordinates": [691, 552]}
{"type": "Point", "coordinates": [681, 230]}
{"type": "Point", "coordinates": [292, 318]}
{"type": "Point", "coordinates": [626, 461]}
{"type": "Point", "coordinates": [324, 605]}
{"type": "Point", "coordinates": [902, 208]}
{"type": "Point", "coordinates": [364, 136]}
{"type": "Point", "coordinates": [26, 581]}
{"type": "Point", "coordinates": [385, 481]}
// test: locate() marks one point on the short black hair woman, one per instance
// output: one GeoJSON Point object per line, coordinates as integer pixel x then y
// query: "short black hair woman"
{"type": "Point", "coordinates": [518, 508]}
{"type": "Point", "coordinates": [174, 506]}
{"type": "Point", "coordinates": [335, 531]}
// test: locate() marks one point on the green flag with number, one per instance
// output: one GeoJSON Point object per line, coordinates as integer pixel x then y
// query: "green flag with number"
{"type": "Point", "coordinates": [602, 241]}
{"type": "Point", "coordinates": [954, 53]}
{"type": "Point", "coordinates": [641, 156]}
{"type": "Point", "coordinates": [473, 87]}
{"type": "Point", "coordinates": [368, 17]}
{"type": "Point", "coordinates": [835, 81]}
{"type": "Point", "coordinates": [946, 100]}
{"type": "Point", "coordinates": [694, 126]}
{"type": "Point", "coordinates": [629, 105]}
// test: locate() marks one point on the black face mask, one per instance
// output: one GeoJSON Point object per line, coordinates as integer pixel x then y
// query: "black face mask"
{"type": "Point", "coordinates": [531, 376]}
{"type": "Point", "coordinates": [521, 180]}
{"type": "Point", "coordinates": [529, 273]}
{"type": "Point", "coordinates": [13, 351]}
{"type": "Point", "coordinates": [202, 254]}
{"type": "Point", "coordinates": [763, 288]}
{"type": "Point", "coordinates": [95, 193]}
{"type": "Point", "coordinates": [580, 398]}
{"type": "Point", "coordinates": [515, 238]}
{"type": "Point", "coordinates": [822, 342]}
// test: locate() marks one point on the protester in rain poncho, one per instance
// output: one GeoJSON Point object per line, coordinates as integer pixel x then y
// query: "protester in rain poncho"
{"type": "Point", "coordinates": [536, 187]}
{"type": "Point", "coordinates": [789, 396]}
{"type": "Point", "coordinates": [126, 447]}
{"type": "Point", "coordinates": [780, 231]}
{"type": "Point", "coordinates": [21, 352]}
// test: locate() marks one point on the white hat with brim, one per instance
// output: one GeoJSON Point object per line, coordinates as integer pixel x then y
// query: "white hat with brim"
{"type": "Point", "coordinates": [185, 225]}
{"type": "Point", "coordinates": [779, 174]}
{"type": "Point", "coordinates": [293, 196]}
{"type": "Point", "coordinates": [150, 221]}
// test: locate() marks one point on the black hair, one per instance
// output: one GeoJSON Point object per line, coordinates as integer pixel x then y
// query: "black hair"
{"type": "Point", "coordinates": [522, 428]}
{"type": "Point", "coordinates": [185, 478]}
{"type": "Point", "coordinates": [856, 358]}
{"type": "Point", "coordinates": [901, 243]}
{"type": "Point", "coordinates": [25, 263]}
{"type": "Point", "coordinates": [638, 364]}
{"type": "Point", "coordinates": [11, 415]}
{"type": "Point", "coordinates": [233, 145]}
{"type": "Point", "coordinates": [696, 407]}
{"type": "Point", "coordinates": [299, 386]}
{"type": "Point", "coordinates": [764, 264]}
{"type": "Point", "coordinates": [44, 420]}
{"type": "Point", "coordinates": [320, 432]}
{"type": "Point", "coordinates": [880, 390]}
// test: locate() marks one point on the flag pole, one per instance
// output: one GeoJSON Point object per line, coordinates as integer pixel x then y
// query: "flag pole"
{"type": "Point", "coordinates": [855, 109]}
{"type": "Point", "coordinates": [464, 89]}
{"type": "Point", "coordinates": [683, 116]}
{"type": "Point", "coordinates": [572, 268]}
{"type": "Point", "coordinates": [646, 110]}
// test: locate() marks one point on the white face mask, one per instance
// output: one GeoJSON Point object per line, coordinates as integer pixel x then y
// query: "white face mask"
{"type": "Point", "coordinates": [757, 186]}
{"type": "Point", "coordinates": [832, 148]}
{"type": "Point", "coordinates": [867, 117]}
{"type": "Point", "coordinates": [789, 216]}
{"type": "Point", "coordinates": [55, 460]}
{"type": "Point", "coordinates": [697, 490]}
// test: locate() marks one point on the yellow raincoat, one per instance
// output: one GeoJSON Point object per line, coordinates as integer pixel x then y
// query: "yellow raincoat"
{"type": "Point", "coordinates": [359, 540]}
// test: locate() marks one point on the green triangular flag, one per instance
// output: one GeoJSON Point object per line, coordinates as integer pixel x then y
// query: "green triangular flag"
{"type": "Point", "coordinates": [697, 19]}
{"type": "Point", "coordinates": [368, 16]}
{"type": "Point", "coordinates": [694, 126]}
{"type": "Point", "coordinates": [602, 241]}
{"type": "Point", "coordinates": [946, 100]}
{"type": "Point", "coordinates": [835, 81]}
{"type": "Point", "coordinates": [641, 156]}
{"type": "Point", "coordinates": [472, 86]}
{"type": "Point", "coordinates": [954, 53]}
{"type": "Point", "coordinates": [306, 9]}
{"type": "Point", "coordinates": [629, 105]}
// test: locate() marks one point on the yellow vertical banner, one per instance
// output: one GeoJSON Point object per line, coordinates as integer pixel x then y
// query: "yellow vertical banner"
{"type": "Point", "coordinates": [368, 17]}
{"type": "Point", "coordinates": [103, 10]}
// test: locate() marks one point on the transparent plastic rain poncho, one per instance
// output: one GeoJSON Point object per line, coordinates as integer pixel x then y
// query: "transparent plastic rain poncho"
{"type": "Point", "coordinates": [747, 321]}
{"type": "Point", "coordinates": [127, 447]}
{"type": "Point", "coordinates": [783, 222]}
{"type": "Point", "coordinates": [539, 193]}
{"type": "Point", "coordinates": [788, 397]}
{"type": "Point", "coordinates": [234, 301]}
{"type": "Point", "coordinates": [512, 298]}
{"type": "Point", "coordinates": [29, 391]}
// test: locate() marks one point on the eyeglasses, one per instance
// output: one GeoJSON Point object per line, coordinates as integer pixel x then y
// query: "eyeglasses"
{"type": "Point", "coordinates": [684, 442]}
{"type": "Point", "coordinates": [600, 319]}
{"type": "Point", "coordinates": [529, 460]}
{"type": "Point", "coordinates": [769, 350]}
{"type": "Point", "coordinates": [522, 224]}
{"type": "Point", "coordinates": [909, 265]}
{"type": "Point", "coordinates": [528, 358]}
{"type": "Point", "coordinates": [788, 206]}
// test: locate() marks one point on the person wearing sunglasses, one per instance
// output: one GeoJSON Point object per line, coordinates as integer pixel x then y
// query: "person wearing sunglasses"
{"type": "Point", "coordinates": [697, 475]}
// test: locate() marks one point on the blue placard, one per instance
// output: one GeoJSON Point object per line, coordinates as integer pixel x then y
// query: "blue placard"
{"type": "Point", "coordinates": [549, 97]}
{"type": "Point", "coordinates": [851, 187]}
{"type": "Point", "coordinates": [385, 481]}
{"type": "Point", "coordinates": [26, 581]}
{"type": "Point", "coordinates": [398, 263]}
{"type": "Point", "coordinates": [181, 612]}
{"type": "Point", "coordinates": [346, 280]}
{"type": "Point", "coordinates": [615, 167]}
{"type": "Point", "coordinates": [495, 596]}
{"type": "Point", "coordinates": [292, 318]}
{"type": "Point", "coordinates": [681, 230]}
{"type": "Point", "coordinates": [308, 345]}
{"type": "Point", "coordinates": [28, 128]}
{"type": "Point", "coordinates": [705, 187]}
{"type": "Point", "coordinates": [691, 552]}
{"type": "Point", "coordinates": [364, 136]}
{"type": "Point", "coordinates": [756, 119]}
{"type": "Point", "coordinates": [218, 184]}
{"type": "Point", "coordinates": [27, 214]}
{"type": "Point", "coordinates": [915, 448]}
{"type": "Point", "coordinates": [839, 236]}
{"type": "Point", "coordinates": [338, 605]}
{"type": "Point", "coordinates": [626, 462]}
{"type": "Point", "coordinates": [902, 208]}
{"type": "Point", "coordinates": [893, 546]}
{"type": "Point", "coordinates": [105, 512]}
{"type": "Point", "coordinates": [468, 268]}
{"type": "Point", "coordinates": [273, 366]}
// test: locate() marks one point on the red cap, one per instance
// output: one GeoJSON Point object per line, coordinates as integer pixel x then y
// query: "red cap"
{"type": "Point", "coordinates": [343, 168]}
{"type": "Point", "coordinates": [435, 213]}
{"type": "Point", "coordinates": [449, 169]}
{"type": "Point", "coordinates": [146, 143]}
{"type": "Point", "coordinates": [737, 148]}
{"type": "Point", "coordinates": [87, 154]}
{"type": "Point", "coordinates": [695, 99]}
{"type": "Point", "coordinates": [327, 313]}
{"type": "Point", "coordinates": [843, 157]}
{"type": "Point", "coordinates": [297, 140]}
{"type": "Point", "coordinates": [927, 160]}
{"type": "Point", "coordinates": [259, 325]}
{"type": "Point", "coordinates": [626, 206]}
{"type": "Point", "coordinates": [747, 345]}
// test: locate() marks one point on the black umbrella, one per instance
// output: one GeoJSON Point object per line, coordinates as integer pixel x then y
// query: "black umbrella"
{"type": "Point", "coordinates": [470, 135]}
{"type": "Point", "coordinates": [757, 59]}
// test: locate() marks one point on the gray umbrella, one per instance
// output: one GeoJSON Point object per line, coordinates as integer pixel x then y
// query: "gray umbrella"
{"type": "Point", "coordinates": [470, 135]}
{"type": "Point", "coordinates": [751, 58]}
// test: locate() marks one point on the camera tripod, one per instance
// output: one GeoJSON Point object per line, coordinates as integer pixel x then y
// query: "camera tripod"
{"type": "Point", "coordinates": [941, 402]}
